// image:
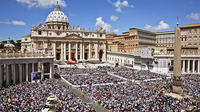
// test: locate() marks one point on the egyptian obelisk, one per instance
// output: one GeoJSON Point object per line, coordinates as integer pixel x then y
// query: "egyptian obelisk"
{"type": "Point", "coordinates": [177, 76]}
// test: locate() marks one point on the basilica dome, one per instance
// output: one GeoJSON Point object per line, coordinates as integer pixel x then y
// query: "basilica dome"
{"type": "Point", "coordinates": [57, 15]}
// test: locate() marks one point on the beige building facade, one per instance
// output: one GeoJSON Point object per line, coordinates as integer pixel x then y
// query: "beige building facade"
{"type": "Point", "coordinates": [190, 50]}
{"type": "Point", "coordinates": [56, 37]}
{"type": "Point", "coordinates": [132, 39]}
{"type": "Point", "coordinates": [165, 39]}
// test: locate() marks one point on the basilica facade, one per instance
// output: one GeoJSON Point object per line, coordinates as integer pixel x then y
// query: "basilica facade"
{"type": "Point", "coordinates": [57, 38]}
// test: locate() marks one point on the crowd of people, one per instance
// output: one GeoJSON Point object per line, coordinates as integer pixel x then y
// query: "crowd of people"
{"type": "Point", "coordinates": [88, 76]}
{"type": "Point", "coordinates": [31, 97]}
{"type": "Point", "coordinates": [119, 95]}
{"type": "Point", "coordinates": [191, 85]}
{"type": "Point", "coordinates": [146, 96]}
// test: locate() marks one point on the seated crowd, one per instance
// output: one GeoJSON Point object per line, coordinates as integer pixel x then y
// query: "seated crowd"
{"type": "Point", "coordinates": [146, 96]}
{"type": "Point", "coordinates": [31, 97]}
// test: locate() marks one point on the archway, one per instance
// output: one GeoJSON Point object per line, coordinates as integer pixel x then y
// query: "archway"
{"type": "Point", "coordinates": [57, 56]}
{"type": "Point", "coordinates": [86, 56]}
{"type": "Point", "coordinates": [100, 55]}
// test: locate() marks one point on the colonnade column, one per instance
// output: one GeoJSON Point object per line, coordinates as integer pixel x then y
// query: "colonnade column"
{"type": "Point", "coordinates": [51, 70]}
{"type": "Point", "coordinates": [188, 69]}
{"type": "Point", "coordinates": [64, 51]}
{"type": "Point", "coordinates": [61, 55]}
{"type": "Point", "coordinates": [96, 51]}
{"type": "Point", "coordinates": [54, 50]}
{"type": "Point", "coordinates": [14, 73]}
{"type": "Point", "coordinates": [33, 67]}
{"type": "Point", "coordinates": [193, 66]}
{"type": "Point", "coordinates": [32, 71]}
{"type": "Point", "coordinates": [7, 75]}
{"type": "Point", "coordinates": [76, 51]}
{"type": "Point", "coordinates": [81, 51]}
{"type": "Point", "coordinates": [26, 71]}
{"type": "Point", "coordinates": [69, 49]}
{"type": "Point", "coordinates": [89, 56]}
{"type": "Point", "coordinates": [0, 75]}
{"type": "Point", "coordinates": [20, 73]}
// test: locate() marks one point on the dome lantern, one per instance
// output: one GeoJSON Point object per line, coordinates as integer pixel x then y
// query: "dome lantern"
{"type": "Point", "coordinates": [57, 7]}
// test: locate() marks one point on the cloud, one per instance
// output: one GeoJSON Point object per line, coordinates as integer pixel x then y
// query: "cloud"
{"type": "Point", "coordinates": [194, 16]}
{"type": "Point", "coordinates": [42, 3]}
{"type": "Point", "coordinates": [13, 22]}
{"type": "Point", "coordinates": [120, 4]}
{"type": "Point", "coordinates": [102, 24]}
{"type": "Point", "coordinates": [161, 26]}
{"type": "Point", "coordinates": [116, 30]}
{"type": "Point", "coordinates": [113, 18]}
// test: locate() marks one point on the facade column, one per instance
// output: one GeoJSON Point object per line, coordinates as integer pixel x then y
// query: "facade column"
{"type": "Point", "coordinates": [81, 51]}
{"type": "Point", "coordinates": [76, 51]}
{"type": "Point", "coordinates": [61, 57]}
{"type": "Point", "coordinates": [14, 73]}
{"type": "Point", "coordinates": [96, 50]}
{"type": "Point", "coordinates": [54, 50]}
{"type": "Point", "coordinates": [0, 75]}
{"type": "Point", "coordinates": [69, 49]}
{"type": "Point", "coordinates": [89, 56]}
{"type": "Point", "coordinates": [188, 69]}
{"type": "Point", "coordinates": [104, 51]}
{"type": "Point", "coordinates": [27, 72]}
{"type": "Point", "coordinates": [198, 66]}
{"type": "Point", "coordinates": [7, 75]}
{"type": "Point", "coordinates": [51, 70]}
{"type": "Point", "coordinates": [193, 66]}
{"type": "Point", "coordinates": [20, 73]}
{"type": "Point", "coordinates": [183, 69]}
{"type": "Point", "coordinates": [65, 51]}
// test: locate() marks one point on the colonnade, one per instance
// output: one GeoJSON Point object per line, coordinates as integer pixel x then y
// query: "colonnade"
{"type": "Point", "coordinates": [15, 71]}
{"type": "Point", "coordinates": [190, 66]}
{"type": "Point", "coordinates": [79, 50]}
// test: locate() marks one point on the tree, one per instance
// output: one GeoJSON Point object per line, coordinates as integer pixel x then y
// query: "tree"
{"type": "Point", "coordinates": [18, 44]}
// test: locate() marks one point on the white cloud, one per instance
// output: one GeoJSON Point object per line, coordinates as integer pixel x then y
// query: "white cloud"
{"type": "Point", "coordinates": [14, 22]}
{"type": "Point", "coordinates": [120, 4]}
{"type": "Point", "coordinates": [116, 30]}
{"type": "Point", "coordinates": [42, 3]}
{"type": "Point", "coordinates": [161, 26]}
{"type": "Point", "coordinates": [102, 24]}
{"type": "Point", "coordinates": [194, 16]}
{"type": "Point", "coordinates": [113, 18]}
{"type": "Point", "coordinates": [18, 23]}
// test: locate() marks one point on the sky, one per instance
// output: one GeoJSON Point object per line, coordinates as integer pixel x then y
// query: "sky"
{"type": "Point", "coordinates": [18, 16]}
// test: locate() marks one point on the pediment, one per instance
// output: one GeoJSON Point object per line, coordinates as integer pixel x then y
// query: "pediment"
{"type": "Point", "coordinates": [73, 36]}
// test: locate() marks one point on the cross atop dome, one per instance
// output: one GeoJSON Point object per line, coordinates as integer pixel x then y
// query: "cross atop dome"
{"type": "Point", "coordinates": [57, 7]}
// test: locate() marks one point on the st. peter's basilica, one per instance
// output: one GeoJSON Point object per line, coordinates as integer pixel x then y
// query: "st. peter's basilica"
{"type": "Point", "coordinates": [57, 38]}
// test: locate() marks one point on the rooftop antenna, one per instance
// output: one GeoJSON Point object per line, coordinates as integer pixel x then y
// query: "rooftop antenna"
{"type": "Point", "coordinates": [177, 24]}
